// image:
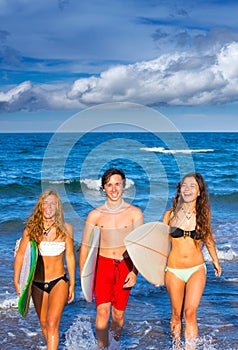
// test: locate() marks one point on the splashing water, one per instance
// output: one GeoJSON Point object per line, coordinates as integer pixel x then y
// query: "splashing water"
{"type": "Point", "coordinates": [80, 335]}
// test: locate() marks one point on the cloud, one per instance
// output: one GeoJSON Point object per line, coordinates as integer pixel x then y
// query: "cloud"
{"type": "Point", "coordinates": [16, 98]}
{"type": "Point", "coordinates": [181, 79]}
{"type": "Point", "coordinates": [68, 55]}
{"type": "Point", "coordinates": [29, 97]}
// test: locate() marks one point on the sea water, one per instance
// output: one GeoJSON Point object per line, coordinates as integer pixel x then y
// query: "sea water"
{"type": "Point", "coordinates": [153, 163]}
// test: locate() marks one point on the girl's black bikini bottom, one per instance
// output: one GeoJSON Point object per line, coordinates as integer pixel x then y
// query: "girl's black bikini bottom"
{"type": "Point", "coordinates": [48, 286]}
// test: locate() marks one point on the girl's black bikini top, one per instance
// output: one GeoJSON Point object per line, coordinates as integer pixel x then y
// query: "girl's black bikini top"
{"type": "Point", "coordinates": [177, 232]}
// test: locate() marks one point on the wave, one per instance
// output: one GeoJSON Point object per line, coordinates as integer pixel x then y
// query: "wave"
{"type": "Point", "coordinates": [10, 225]}
{"type": "Point", "coordinates": [225, 253]}
{"type": "Point", "coordinates": [96, 184]}
{"type": "Point", "coordinates": [60, 182]}
{"type": "Point", "coordinates": [28, 187]}
{"type": "Point", "coordinates": [224, 197]}
{"type": "Point", "coordinates": [90, 184]}
{"type": "Point", "coordinates": [12, 228]}
{"type": "Point", "coordinates": [175, 151]}
{"type": "Point", "coordinates": [18, 188]}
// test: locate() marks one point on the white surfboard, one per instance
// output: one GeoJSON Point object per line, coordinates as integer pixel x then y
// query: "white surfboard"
{"type": "Point", "coordinates": [148, 247]}
{"type": "Point", "coordinates": [88, 272]}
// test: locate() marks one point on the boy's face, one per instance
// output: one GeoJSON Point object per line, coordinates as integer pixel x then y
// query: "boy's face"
{"type": "Point", "coordinates": [114, 187]}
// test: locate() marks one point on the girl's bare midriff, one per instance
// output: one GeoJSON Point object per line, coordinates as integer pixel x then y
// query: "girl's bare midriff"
{"type": "Point", "coordinates": [185, 253]}
{"type": "Point", "coordinates": [49, 268]}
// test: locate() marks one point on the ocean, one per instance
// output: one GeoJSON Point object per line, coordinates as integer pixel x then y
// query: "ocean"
{"type": "Point", "coordinates": [73, 163]}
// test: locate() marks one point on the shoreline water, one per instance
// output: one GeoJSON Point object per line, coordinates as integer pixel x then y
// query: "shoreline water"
{"type": "Point", "coordinates": [217, 319]}
{"type": "Point", "coordinates": [148, 313]}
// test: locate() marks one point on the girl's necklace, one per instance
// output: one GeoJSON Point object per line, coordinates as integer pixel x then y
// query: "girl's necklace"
{"type": "Point", "coordinates": [116, 208]}
{"type": "Point", "coordinates": [47, 230]}
{"type": "Point", "coordinates": [188, 215]}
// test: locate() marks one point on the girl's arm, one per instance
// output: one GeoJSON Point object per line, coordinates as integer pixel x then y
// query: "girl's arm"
{"type": "Point", "coordinates": [70, 260]}
{"type": "Point", "coordinates": [213, 253]}
{"type": "Point", "coordinates": [167, 216]}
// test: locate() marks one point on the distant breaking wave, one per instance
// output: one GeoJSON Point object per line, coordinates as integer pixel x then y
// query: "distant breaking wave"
{"type": "Point", "coordinates": [174, 151]}
{"type": "Point", "coordinates": [92, 184]}
{"type": "Point", "coordinates": [95, 185]}
{"type": "Point", "coordinates": [89, 184]}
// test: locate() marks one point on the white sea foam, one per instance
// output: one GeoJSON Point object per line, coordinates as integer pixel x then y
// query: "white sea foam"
{"type": "Point", "coordinates": [11, 335]}
{"type": "Point", "coordinates": [80, 335]}
{"type": "Point", "coordinates": [28, 333]}
{"type": "Point", "coordinates": [9, 303]}
{"type": "Point", "coordinates": [175, 151]}
{"type": "Point", "coordinates": [202, 343]}
{"type": "Point", "coordinates": [92, 184]}
{"type": "Point", "coordinates": [59, 182]}
{"type": "Point", "coordinates": [224, 253]}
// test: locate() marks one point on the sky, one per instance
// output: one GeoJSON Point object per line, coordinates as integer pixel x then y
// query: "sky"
{"type": "Point", "coordinates": [60, 57]}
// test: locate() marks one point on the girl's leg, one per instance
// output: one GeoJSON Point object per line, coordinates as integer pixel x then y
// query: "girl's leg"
{"type": "Point", "coordinates": [176, 289]}
{"type": "Point", "coordinates": [40, 300]}
{"type": "Point", "coordinates": [57, 300]}
{"type": "Point", "coordinates": [194, 290]}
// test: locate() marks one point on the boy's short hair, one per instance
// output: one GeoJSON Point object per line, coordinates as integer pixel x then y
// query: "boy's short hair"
{"type": "Point", "coordinates": [113, 171]}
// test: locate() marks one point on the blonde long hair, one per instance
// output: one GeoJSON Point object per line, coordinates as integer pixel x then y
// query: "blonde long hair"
{"type": "Point", "coordinates": [35, 224]}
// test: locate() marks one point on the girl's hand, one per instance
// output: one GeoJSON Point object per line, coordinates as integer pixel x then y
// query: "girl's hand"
{"type": "Point", "coordinates": [217, 268]}
{"type": "Point", "coordinates": [71, 294]}
{"type": "Point", "coordinates": [17, 287]}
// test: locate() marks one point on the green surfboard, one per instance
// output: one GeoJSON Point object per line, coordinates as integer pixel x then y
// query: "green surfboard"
{"type": "Point", "coordinates": [26, 277]}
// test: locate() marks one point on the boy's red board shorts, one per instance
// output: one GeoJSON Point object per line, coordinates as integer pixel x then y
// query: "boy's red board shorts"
{"type": "Point", "coordinates": [110, 278]}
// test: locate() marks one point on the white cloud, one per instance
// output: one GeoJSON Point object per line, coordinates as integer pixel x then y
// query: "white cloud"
{"type": "Point", "coordinates": [179, 55]}
{"type": "Point", "coordinates": [16, 98]}
{"type": "Point", "coordinates": [180, 79]}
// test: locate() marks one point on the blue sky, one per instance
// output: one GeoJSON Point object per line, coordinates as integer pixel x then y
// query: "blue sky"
{"type": "Point", "coordinates": [61, 57]}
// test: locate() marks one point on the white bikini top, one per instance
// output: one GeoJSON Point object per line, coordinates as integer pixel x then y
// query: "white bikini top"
{"type": "Point", "coordinates": [51, 248]}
